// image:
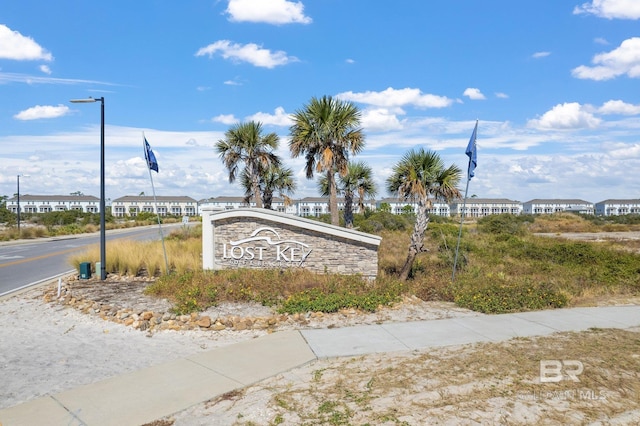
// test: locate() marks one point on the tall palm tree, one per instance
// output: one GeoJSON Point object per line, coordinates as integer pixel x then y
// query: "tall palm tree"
{"type": "Point", "coordinates": [420, 177]}
{"type": "Point", "coordinates": [359, 179]}
{"type": "Point", "coordinates": [274, 179]}
{"type": "Point", "coordinates": [326, 131]}
{"type": "Point", "coordinates": [245, 143]}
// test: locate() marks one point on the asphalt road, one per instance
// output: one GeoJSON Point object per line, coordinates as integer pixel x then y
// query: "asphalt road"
{"type": "Point", "coordinates": [25, 263]}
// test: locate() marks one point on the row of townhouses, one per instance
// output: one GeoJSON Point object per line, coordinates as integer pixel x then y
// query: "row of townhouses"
{"type": "Point", "coordinates": [314, 206]}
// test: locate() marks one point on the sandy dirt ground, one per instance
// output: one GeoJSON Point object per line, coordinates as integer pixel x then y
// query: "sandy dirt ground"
{"type": "Point", "coordinates": [47, 348]}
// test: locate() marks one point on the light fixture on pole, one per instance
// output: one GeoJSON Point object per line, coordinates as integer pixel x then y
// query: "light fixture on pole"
{"type": "Point", "coordinates": [103, 243]}
{"type": "Point", "coordinates": [18, 194]}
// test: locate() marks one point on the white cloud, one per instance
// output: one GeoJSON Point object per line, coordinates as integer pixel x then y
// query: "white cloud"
{"type": "Point", "coordinates": [601, 40]}
{"type": "Point", "coordinates": [540, 55]}
{"type": "Point", "coordinates": [227, 119]}
{"type": "Point", "coordinates": [620, 61]}
{"type": "Point", "coordinates": [611, 9]}
{"type": "Point", "coordinates": [391, 97]}
{"type": "Point", "coordinates": [623, 151]}
{"type": "Point", "coordinates": [232, 83]}
{"type": "Point", "coordinates": [45, 69]}
{"type": "Point", "coordinates": [272, 11]}
{"type": "Point", "coordinates": [570, 115]}
{"type": "Point", "coordinates": [8, 77]}
{"type": "Point", "coordinates": [501, 95]}
{"type": "Point", "coordinates": [350, 61]}
{"type": "Point", "coordinates": [619, 107]}
{"type": "Point", "coordinates": [42, 111]}
{"type": "Point", "coordinates": [381, 119]}
{"type": "Point", "coordinates": [14, 45]}
{"type": "Point", "coordinates": [280, 118]}
{"type": "Point", "coordinates": [251, 53]}
{"type": "Point", "coordinates": [474, 94]}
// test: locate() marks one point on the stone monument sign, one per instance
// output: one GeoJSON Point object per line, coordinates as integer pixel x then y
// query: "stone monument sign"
{"type": "Point", "coordinates": [261, 238]}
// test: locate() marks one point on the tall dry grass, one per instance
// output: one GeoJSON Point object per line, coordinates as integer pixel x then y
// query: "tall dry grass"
{"type": "Point", "coordinates": [127, 257]}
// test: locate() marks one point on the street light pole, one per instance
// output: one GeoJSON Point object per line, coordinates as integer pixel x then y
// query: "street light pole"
{"type": "Point", "coordinates": [103, 239]}
{"type": "Point", "coordinates": [18, 179]}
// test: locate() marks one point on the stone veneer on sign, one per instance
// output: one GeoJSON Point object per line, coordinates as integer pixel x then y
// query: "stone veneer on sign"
{"type": "Point", "coordinates": [260, 238]}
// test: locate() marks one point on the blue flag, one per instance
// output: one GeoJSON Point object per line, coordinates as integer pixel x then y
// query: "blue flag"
{"type": "Point", "coordinates": [152, 163]}
{"type": "Point", "coordinates": [472, 153]}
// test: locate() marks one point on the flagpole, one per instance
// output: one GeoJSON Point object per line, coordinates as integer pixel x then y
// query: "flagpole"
{"type": "Point", "coordinates": [472, 153]}
{"type": "Point", "coordinates": [462, 214]}
{"type": "Point", "coordinates": [155, 202]}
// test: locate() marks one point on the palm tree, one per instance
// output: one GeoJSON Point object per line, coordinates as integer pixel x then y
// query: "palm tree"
{"type": "Point", "coordinates": [274, 179]}
{"type": "Point", "coordinates": [357, 180]}
{"type": "Point", "coordinates": [245, 143]}
{"type": "Point", "coordinates": [420, 177]}
{"type": "Point", "coordinates": [326, 131]}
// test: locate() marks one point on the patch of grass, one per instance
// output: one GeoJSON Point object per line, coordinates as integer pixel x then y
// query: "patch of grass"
{"type": "Point", "coordinates": [500, 297]}
{"type": "Point", "coordinates": [486, 383]}
{"type": "Point", "coordinates": [290, 290]}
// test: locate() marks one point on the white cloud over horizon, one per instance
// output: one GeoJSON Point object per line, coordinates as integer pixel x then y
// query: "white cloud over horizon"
{"type": "Point", "coordinates": [610, 9]}
{"type": "Point", "coordinates": [15, 46]}
{"type": "Point", "coordinates": [474, 94]}
{"type": "Point", "coordinates": [391, 97]}
{"type": "Point", "coordinates": [250, 53]}
{"type": "Point", "coordinates": [623, 60]}
{"type": "Point", "coordinates": [275, 12]}
{"type": "Point", "coordinates": [42, 111]}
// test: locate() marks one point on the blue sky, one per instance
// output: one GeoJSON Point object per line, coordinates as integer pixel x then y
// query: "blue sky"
{"type": "Point", "coordinates": [553, 83]}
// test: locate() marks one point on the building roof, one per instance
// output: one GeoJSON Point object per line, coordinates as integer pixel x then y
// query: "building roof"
{"type": "Point", "coordinates": [151, 199]}
{"type": "Point", "coordinates": [55, 198]}
{"type": "Point", "coordinates": [476, 200]}
{"type": "Point", "coordinates": [557, 201]}
{"type": "Point", "coordinates": [223, 199]}
{"type": "Point", "coordinates": [618, 201]}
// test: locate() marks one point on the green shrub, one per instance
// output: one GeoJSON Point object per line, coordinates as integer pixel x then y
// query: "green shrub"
{"type": "Point", "coordinates": [289, 291]}
{"type": "Point", "coordinates": [504, 224]}
{"type": "Point", "coordinates": [501, 297]}
{"type": "Point", "coordinates": [381, 220]}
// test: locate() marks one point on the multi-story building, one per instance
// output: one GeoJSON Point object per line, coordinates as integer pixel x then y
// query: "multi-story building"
{"type": "Point", "coordinates": [618, 207]}
{"type": "Point", "coordinates": [316, 206]}
{"type": "Point", "coordinates": [230, 203]}
{"type": "Point", "coordinates": [400, 207]}
{"type": "Point", "coordinates": [550, 206]}
{"type": "Point", "coordinates": [224, 203]}
{"type": "Point", "coordinates": [481, 207]}
{"type": "Point", "coordinates": [54, 203]}
{"type": "Point", "coordinates": [131, 205]}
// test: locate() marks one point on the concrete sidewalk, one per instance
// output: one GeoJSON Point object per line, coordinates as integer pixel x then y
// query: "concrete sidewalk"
{"type": "Point", "coordinates": [155, 392]}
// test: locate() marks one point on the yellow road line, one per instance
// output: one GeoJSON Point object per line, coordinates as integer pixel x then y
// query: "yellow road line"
{"type": "Point", "coordinates": [44, 256]}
